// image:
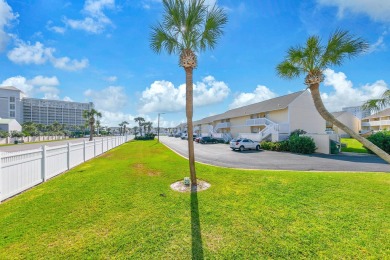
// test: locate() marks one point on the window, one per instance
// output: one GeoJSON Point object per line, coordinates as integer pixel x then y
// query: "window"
{"type": "Point", "coordinates": [12, 114]}
{"type": "Point", "coordinates": [12, 106]}
{"type": "Point", "coordinates": [12, 99]}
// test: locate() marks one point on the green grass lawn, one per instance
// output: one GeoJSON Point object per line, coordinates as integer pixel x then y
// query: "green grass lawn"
{"type": "Point", "coordinates": [111, 207]}
{"type": "Point", "coordinates": [352, 146]}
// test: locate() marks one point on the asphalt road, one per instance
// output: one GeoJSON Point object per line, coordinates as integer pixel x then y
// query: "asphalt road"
{"type": "Point", "coordinates": [222, 155]}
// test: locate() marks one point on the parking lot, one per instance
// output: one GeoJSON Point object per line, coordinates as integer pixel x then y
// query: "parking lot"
{"type": "Point", "coordinates": [222, 155]}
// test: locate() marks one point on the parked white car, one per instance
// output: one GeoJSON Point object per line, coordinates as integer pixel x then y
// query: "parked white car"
{"type": "Point", "coordinates": [244, 144]}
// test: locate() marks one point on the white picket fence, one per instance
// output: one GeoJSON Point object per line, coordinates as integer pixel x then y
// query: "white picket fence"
{"type": "Point", "coordinates": [22, 170]}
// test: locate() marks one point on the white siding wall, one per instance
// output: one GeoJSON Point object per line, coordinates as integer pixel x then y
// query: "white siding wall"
{"type": "Point", "coordinates": [303, 115]}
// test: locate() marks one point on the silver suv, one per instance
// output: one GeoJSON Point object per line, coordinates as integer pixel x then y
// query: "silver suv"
{"type": "Point", "coordinates": [244, 144]}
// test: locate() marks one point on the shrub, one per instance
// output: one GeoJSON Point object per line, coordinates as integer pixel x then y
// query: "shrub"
{"type": "Point", "coordinates": [380, 139]}
{"type": "Point", "coordinates": [302, 144]}
{"type": "Point", "coordinates": [16, 134]}
{"type": "Point", "coordinates": [149, 136]}
{"type": "Point", "coordinates": [282, 146]}
{"type": "Point", "coordinates": [3, 134]}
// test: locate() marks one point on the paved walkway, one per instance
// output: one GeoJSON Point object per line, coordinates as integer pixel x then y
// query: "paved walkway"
{"type": "Point", "coordinates": [222, 155]}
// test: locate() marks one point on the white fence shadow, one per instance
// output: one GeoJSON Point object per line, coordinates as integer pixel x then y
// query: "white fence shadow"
{"type": "Point", "coordinates": [22, 170]}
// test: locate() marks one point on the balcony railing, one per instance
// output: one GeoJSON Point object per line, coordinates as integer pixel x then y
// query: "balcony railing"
{"type": "Point", "coordinates": [258, 122]}
{"type": "Point", "coordinates": [222, 125]}
{"type": "Point", "coordinates": [376, 123]}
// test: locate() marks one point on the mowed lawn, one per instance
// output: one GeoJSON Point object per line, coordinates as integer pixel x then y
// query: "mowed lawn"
{"type": "Point", "coordinates": [120, 205]}
{"type": "Point", "coordinates": [353, 146]}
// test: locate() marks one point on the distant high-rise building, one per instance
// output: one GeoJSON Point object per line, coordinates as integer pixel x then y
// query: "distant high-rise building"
{"type": "Point", "coordinates": [357, 111]}
{"type": "Point", "coordinates": [15, 104]}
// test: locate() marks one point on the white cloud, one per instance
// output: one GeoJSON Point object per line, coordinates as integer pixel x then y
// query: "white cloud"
{"type": "Point", "coordinates": [66, 98]}
{"type": "Point", "coordinates": [111, 78]}
{"type": "Point", "coordinates": [259, 94]}
{"type": "Point", "coordinates": [344, 94]}
{"type": "Point", "coordinates": [66, 63]}
{"type": "Point", "coordinates": [20, 83]}
{"type": "Point", "coordinates": [54, 28]}
{"type": "Point", "coordinates": [41, 80]}
{"type": "Point", "coordinates": [377, 10]}
{"type": "Point", "coordinates": [39, 85]}
{"type": "Point", "coordinates": [163, 96]}
{"type": "Point", "coordinates": [95, 20]}
{"type": "Point", "coordinates": [6, 17]}
{"type": "Point", "coordinates": [379, 44]}
{"type": "Point", "coordinates": [115, 118]}
{"type": "Point", "coordinates": [25, 53]}
{"type": "Point", "coordinates": [110, 99]}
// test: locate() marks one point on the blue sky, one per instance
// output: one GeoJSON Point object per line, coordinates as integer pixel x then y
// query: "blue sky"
{"type": "Point", "coordinates": [98, 50]}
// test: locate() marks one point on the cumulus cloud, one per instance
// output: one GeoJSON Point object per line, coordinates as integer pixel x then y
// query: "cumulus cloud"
{"type": "Point", "coordinates": [26, 53]}
{"type": "Point", "coordinates": [46, 87]}
{"type": "Point", "coordinates": [111, 78]}
{"type": "Point", "coordinates": [6, 17]}
{"type": "Point", "coordinates": [95, 21]}
{"type": "Point", "coordinates": [112, 98]}
{"type": "Point", "coordinates": [344, 94]}
{"type": "Point", "coordinates": [379, 44]}
{"type": "Point", "coordinates": [164, 96]}
{"type": "Point", "coordinates": [53, 28]}
{"type": "Point", "coordinates": [377, 10]}
{"type": "Point", "coordinates": [259, 94]}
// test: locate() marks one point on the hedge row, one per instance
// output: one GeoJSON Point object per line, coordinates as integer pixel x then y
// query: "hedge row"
{"type": "Point", "coordinates": [295, 144]}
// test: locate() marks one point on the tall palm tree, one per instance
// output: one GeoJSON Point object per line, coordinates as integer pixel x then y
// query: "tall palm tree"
{"type": "Point", "coordinates": [120, 128]}
{"type": "Point", "coordinates": [90, 115]}
{"type": "Point", "coordinates": [124, 123]}
{"type": "Point", "coordinates": [140, 120]}
{"type": "Point", "coordinates": [378, 103]}
{"type": "Point", "coordinates": [188, 27]}
{"type": "Point", "coordinates": [312, 59]}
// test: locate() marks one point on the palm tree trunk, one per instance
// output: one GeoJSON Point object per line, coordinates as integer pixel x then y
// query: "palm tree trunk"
{"type": "Point", "coordinates": [315, 93]}
{"type": "Point", "coordinates": [189, 113]}
{"type": "Point", "coordinates": [91, 132]}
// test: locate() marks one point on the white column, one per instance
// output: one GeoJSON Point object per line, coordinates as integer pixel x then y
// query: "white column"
{"type": "Point", "coordinates": [84, 151]}
{"type": "Point", "coordinates": [44, 163]}
{"type": "Point", "coordinates": [68, 156]}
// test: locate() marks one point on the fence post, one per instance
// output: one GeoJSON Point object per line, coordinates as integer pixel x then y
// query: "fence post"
{"type": "Point", "coordinates": [94, 147]}
{"type": "Point", "coordinates": [1, 179]}
{"type": "Point", "coordinates": [43, 163]}
{"type": "Point", "coordinates": [68, 156]}
{"type": "Point", "coordinates": [84, 152]}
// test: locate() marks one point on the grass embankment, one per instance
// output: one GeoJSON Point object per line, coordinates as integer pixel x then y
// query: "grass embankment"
{"type": "Point", "coordinates": [120, 205]}
{"type": "Point", "coordinates": [353, 146]}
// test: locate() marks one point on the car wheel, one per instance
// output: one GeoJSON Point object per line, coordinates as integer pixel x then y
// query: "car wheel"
{"type": "Point", "coordinates": [242, 148]}
{"type": "Point", "coordinates": [258, 148]}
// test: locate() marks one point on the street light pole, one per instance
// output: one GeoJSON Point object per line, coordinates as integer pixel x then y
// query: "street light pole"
{"type": "Point", "coordinates": [158, 127]}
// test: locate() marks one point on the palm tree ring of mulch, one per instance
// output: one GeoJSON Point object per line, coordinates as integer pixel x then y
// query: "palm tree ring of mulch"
{"type": "Point", "coordinates": [181, 187]}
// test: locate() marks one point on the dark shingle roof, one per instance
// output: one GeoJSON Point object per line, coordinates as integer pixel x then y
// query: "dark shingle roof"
{"type": "Point", "coordinates": [273, 104]}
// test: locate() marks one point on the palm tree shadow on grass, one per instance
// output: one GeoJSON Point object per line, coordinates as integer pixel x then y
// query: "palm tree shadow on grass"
{"type": "Point", "coordinates": [196, 234]}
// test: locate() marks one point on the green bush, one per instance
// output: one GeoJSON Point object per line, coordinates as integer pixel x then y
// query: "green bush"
{"type": "Point", "coordinates": [302, 144]}
{"type": "Point", "coordinates": [149, 136]}
{"type": "Point", "coordinates": [282, 146]}
{"type": "Point", "coordinates": [3, 134]}
{"type": "Point", "coordinates": [295, 144]}
{"type": "Point", "coordinates": [380, 139]}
